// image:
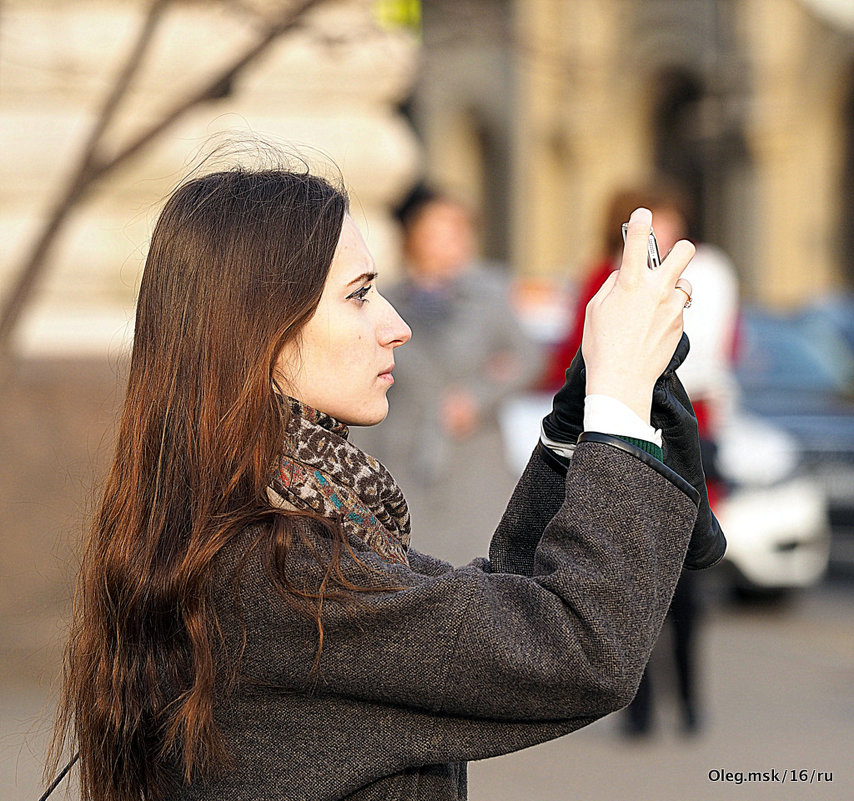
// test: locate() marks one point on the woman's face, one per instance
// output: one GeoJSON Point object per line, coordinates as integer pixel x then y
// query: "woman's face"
{"type": "Point", "coordinates": [341, 363]}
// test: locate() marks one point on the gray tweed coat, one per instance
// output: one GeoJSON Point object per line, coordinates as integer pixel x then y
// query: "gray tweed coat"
{"type": "Point", "coordinates": [447, 665]}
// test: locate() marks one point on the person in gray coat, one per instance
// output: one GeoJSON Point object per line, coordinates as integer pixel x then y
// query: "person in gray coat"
{"type": "Point", "coordinates": [252, 622]}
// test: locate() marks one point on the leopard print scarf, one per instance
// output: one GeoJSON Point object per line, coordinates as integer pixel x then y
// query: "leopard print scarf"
{"type": "Point", "coordinates": [321, 471]}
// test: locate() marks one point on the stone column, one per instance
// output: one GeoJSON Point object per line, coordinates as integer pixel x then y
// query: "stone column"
{"type": "Point", "coordinates": [542, 204]}
{"type": "Point", "coordinates": [582, 129]}
{"type": "Point", "coordinates": [792, 135]}
{"type": "Point", "coordinates": [607, 117]}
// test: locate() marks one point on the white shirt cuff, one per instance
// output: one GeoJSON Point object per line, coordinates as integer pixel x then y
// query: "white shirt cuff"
{"type": "Point", "coordinates": [607, 415]}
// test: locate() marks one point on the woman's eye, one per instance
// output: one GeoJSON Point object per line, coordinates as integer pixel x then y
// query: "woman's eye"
{"type": "Point", "coordinates": [360, 294]}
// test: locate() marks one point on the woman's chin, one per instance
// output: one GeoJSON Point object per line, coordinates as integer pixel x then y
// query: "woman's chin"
{"type": "Point", "coordinates": [368, 417]}
{"type": "Point", "coordinates": [374, 420]}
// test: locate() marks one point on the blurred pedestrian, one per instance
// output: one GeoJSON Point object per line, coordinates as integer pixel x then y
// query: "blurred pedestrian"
{"type": "Point", "coordinates": [712, 324]}
{"type": "Point", "coordinates": [666, 207]}
{"type": "Point", "coordinates": [467, 354]}
{"type": "Point", "coordinates": [712, 321]}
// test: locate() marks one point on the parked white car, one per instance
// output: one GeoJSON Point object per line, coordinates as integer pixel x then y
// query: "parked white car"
{"type": "Point", "coordinates": [775, 518]}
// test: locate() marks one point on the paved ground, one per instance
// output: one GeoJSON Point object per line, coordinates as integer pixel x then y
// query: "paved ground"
{"type": "Point", "coordinates": [778, 681]}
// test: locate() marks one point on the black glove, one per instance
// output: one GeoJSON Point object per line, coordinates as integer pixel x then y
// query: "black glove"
{"type": "Point", "coordinates": [673, 414]}
{"type": "Point", "coordinates": [566, 420]}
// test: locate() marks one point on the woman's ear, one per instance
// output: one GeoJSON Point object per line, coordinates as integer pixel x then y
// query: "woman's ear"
{"type": "Point", "coordinates": [286, 366]}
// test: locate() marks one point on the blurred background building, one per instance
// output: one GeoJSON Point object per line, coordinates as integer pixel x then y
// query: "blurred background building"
{"type": "Point", "coordinates": [328, 87]}
{"type": "Point", "coordinates": [539, 108]}
{"type": "Point", "coordinates": [534, 110]}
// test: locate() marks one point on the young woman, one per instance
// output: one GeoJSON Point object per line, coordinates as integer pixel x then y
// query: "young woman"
{"type": "Point", "coordinates": [251, 622]}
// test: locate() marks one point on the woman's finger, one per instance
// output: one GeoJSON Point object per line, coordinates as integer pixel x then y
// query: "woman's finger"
{"type": "Point", "coordinates": [684, 284]}
{"type": "Point", "coordinates": [676, 262]}
{"type": "Point", "coordinates": [606, 287]}
{"type": "Point", "coordinates": [637, 241]}
{"type": "Point", "coordinates": [683, 287]}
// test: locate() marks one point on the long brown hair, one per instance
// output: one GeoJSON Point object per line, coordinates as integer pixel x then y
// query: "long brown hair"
{"type": "Point", "coordinates": [236, 266]}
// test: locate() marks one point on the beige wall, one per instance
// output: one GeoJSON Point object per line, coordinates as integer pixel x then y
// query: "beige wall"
{"type": "Point", "coordinates": [798, 138]}
{"type": "Point", "coordinates": [333, 86]}
{"type": "Point", "coordinates": [580, 113]}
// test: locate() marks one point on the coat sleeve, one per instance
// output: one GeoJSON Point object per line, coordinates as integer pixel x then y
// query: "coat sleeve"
{"type": "Point", "coordinates": [536, 500]}
{"type": "Point", "coordinates": [480, 649]}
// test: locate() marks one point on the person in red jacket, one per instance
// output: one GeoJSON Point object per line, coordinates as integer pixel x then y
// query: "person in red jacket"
{"type": "Point", "coordinates": [668, 209]}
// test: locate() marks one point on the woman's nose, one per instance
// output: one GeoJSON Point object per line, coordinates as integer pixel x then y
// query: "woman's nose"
{"type": "Point", "coordinates": [393, 330]}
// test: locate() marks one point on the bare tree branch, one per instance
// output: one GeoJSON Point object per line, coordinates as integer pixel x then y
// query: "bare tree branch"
{"type": "Point", "coordinates": [77, 182]}
{"type": "Point", "coordinates": [121, 85]}
{"type": "Point", "coordinates": [92, 166]}
{"type": "Point", "coordinates": [216, 87]}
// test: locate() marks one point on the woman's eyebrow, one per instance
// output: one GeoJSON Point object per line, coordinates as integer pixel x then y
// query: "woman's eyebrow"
{"type": "Point", "coordinates": [363, 277]}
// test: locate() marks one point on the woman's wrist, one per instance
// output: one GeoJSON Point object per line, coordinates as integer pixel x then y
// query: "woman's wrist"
{"type": "Point", "coordinates": [611, 416]}
{"type": "Point", "coordinates": [636, 396]}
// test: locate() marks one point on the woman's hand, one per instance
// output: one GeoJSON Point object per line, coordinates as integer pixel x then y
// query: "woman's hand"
{"type": "Point", "coordinates": [633, 323]}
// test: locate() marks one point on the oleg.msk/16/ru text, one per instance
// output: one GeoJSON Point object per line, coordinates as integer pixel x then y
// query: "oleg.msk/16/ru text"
{"type": "Point", "coordinates": [791, 774]}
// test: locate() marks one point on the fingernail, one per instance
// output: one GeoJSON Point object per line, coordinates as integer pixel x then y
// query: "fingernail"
{"type": "Point", "coordinates": [641, 215]}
